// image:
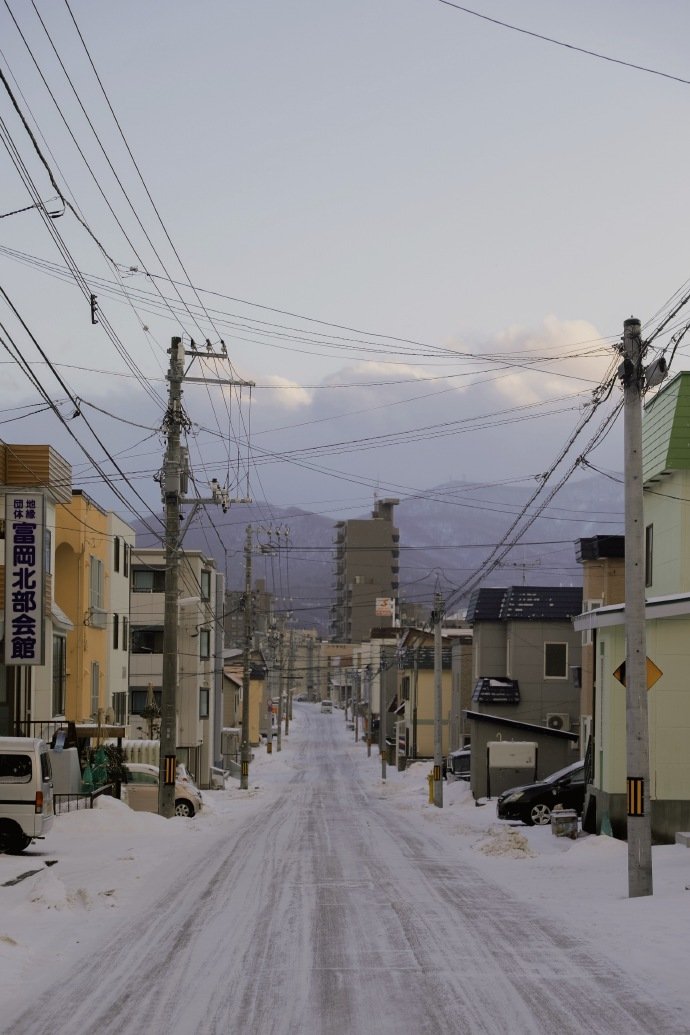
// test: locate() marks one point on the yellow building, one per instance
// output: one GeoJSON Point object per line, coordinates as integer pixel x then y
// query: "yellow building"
{"type": "Point", "coordinates": [82, 571]}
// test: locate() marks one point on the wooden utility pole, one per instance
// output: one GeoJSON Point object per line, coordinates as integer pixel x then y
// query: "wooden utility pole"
{"type": "Point", "coordinates": [637, 725]}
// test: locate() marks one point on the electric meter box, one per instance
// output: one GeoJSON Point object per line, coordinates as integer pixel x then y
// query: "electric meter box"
{"type": "Point", "coordinates": [511, 763]}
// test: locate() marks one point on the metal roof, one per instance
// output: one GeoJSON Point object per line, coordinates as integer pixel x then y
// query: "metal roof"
{"type": "Point", "coordinates": [541, 603]}
{"type": "Point", "coordinates": [525, 603]}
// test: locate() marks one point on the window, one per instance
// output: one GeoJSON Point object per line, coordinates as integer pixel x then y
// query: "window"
{"type": "Point", "coordinates": [205, 584]}
{"type": "Point", "coordinates": [405, 688]}
{"type": "Point", "coordinates": [125, 633]}
{"type": "Point", "coordinates": [204, 643]}
{"type": "Point", "coordinates": [59, 674]}
{"type": "Point", "coordinates": [203, 702]}
{"type": "Point", "coordinates": [120, 708]}
{"type": "Point", "coordinates": [116, 631]}
{"type": "Point", "coordinates": [95, 688]}
{"type": "Point", "coordinates": [147, 640]}
{"type": "Point", "coordinates": [138, 698]}
{"type": "Point", "coordinates": [116, 553]}
{"type": "Point", "coordinates": [15, 768]}
{"type": "Point", "coordinates": [95, 583]}
{"type": "Point", "coordinates": [148, 580]}
{"type": "Point", "coordinates": [139, 776]}
{"type": "Point", "coordinates": [648, 555]}
{"type": "Point", "coordinates": [555, 660]}
{"type": "Point", "coordinates": [125, 559]}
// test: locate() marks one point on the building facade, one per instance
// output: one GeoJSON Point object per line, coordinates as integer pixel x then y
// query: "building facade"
{"type": "Point", "coordinates": [200, 653]}
{"type": "Point", "coordinates": [366, 574]}
{"type": "Point", "coordinates": [666, 476]}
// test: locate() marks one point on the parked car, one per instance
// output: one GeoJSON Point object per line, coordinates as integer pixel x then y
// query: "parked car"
{"type": "Point", "coordinates": [458, 764]}
{"type": "Point", "coordinates": [26, 792]}
{"type": "Point", "coordinates": [327, 706]}
{"type": "Point", "coordinates": [140, 791]}
{"type": "Point", "coordinates": [534, 802]}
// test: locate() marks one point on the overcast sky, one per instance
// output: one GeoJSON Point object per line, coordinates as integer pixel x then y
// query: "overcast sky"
{"type": "Point", "coordinates": [402, 220]}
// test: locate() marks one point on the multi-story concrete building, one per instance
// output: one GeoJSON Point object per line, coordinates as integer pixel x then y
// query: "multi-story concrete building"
{"type": "Point", "coordinates": [366, 574]}
{"type": "Point", "coordinates": [121, 538]}
{"type": "Point", "coordinates": [200, 652]}
{"type": "Point", "coordinates": [233, 615]}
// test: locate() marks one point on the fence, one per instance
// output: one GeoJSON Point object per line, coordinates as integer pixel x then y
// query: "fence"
{"type": "Point", "coordinates": [74, 802]}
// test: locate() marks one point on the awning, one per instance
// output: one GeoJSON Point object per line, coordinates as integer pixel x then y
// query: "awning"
{"type": "Point", "coordinates": [60, 619]}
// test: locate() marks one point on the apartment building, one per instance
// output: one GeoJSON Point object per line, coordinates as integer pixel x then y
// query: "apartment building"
{"type": "Point", "coordinates": [200, 653]}
{"type": "Point", "coordinates": [366, 574]}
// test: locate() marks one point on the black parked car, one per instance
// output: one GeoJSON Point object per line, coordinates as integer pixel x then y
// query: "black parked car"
{"type": "Point", "coordinates": [534, 802]}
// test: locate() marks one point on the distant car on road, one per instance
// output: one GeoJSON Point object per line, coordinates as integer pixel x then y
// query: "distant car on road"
{"type": "Point", "coordinates": [327, 706]}
{"type": "Point", "coordinates": [534, 803]}
{"type": "Point", "coordinates": [141, 790]}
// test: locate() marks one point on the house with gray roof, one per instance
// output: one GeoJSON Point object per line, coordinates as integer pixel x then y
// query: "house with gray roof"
{"type": "Point", "coordinates": [526, 671]}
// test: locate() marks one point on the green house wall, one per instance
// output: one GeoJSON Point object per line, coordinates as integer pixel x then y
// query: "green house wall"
{"type": "Point", "coordinates": [666, 430]}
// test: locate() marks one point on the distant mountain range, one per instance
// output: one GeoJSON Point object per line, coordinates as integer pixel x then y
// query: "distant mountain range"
{"type": "Point", "coordinates": [445, 536]}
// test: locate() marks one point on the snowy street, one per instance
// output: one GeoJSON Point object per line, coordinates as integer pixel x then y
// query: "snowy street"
{"type": "Point", "coordinates": [324, 902]}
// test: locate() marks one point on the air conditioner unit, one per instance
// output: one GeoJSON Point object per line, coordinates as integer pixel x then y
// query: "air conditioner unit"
{"type": "Point", "coordinates": [97, 618]}
{"type": "Point", "coordinates": [558, 721]}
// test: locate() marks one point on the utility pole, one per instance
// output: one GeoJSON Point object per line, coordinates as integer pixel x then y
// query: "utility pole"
{"type": "Point", "coordinates": [356, 677]}
{"type": "Point", "coordinates": [637, 726]}
{"type": "Point", "coordinates": [383, 704]}
{"type": "Point", "coordinates": [279, 739]}
{"type": "Point", "coordinates": [245, 746]}
{"type": "Point", "coordinates": [172, 492]}
{"type": "Point", "coordinates": [437, 617]}
{"type": "Point", "coordinates": [173, 481]}
{"type": "Point", "coordinates": [288, 687]}
{"type": "Point", "coordinates": [367, 695]}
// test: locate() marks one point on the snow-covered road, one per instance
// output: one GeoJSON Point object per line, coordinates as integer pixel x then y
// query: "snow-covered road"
{"type": "Point", "coordinates": [326, 910]}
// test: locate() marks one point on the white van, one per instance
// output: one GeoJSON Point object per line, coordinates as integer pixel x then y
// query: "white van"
{"type": "Point", "coordinates": [327, 706]}
{"type": "Point", "coordinates": [26, 792]}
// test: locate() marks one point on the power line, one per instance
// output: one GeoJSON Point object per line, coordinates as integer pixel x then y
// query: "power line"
{"type": "Point", "coordinates": [562, 43]}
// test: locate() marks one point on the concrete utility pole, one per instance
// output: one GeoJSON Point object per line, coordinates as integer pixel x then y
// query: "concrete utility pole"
{"type": "Point", "coordinates": [438, 701]}
{"type": "Point", "coordinates": [245, 746]}
{"type": "Point", "coordinates": [637, 727]}
{"type": "Point", "coordinates": [279, 738]}
{"type": "Point", "coordinates": [172, 493]}
{"type": "Point", "coordinates": [174, 486]}
{"type": "Point", "coordinates": [356, 677]}
{"type": "Point", "coordinates": [288, 681]}
{"type": "Point", "coordinates": [383, 704]}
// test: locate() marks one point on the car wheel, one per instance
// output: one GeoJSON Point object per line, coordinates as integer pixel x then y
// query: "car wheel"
{"type": "Point", "coordinates": [539, 815]}
{"type": "Point", "coordinates": [183, 808]}
{"type": "Point", "coordinates": [13, 840]}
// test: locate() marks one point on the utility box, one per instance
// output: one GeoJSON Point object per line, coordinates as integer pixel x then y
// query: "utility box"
{"type": "Point", "coordinates": [510, 763]}
{"type": "Point", "coordinates": [564, 823]}
{"type": "Point", "coordinates": [66, 771]}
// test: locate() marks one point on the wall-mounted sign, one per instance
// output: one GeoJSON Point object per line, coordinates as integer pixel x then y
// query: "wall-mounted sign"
{"type": "Point", "coordinates": [24, 578]}
{"type": "Point", "coordinates": [385, 607]}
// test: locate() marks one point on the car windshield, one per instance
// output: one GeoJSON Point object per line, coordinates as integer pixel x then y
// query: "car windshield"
{"type": "Point", "coordinates": [569, 770]}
